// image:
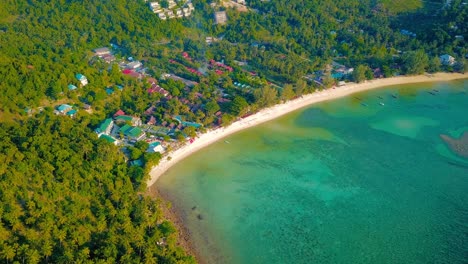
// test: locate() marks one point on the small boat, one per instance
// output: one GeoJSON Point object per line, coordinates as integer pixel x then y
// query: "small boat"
{"type": "Point", "coordinates": [227, 142]}
{"type": "Point", "coordinates": [363, 104]}
{"type": "Point", "coordinates": [432, 93]}
{"type": "Point", "coordinates": [394, 96]}
{"type": "Point", "coordinates": [380, 97]}
{"type": "Point", "coordinates": [381, 103]}
{"type": "Point", "coordinates": [435, 90]}
{"type": "Point", "coordinates": [358, 98]}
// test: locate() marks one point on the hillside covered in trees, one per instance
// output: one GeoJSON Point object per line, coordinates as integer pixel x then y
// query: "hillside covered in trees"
{"type": "Point", "coordinates": [45, 44]}
{"type": "Point", "coordinates": [66, 196]}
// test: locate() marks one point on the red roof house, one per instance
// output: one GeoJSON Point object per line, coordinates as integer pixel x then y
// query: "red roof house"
{"type": "Point", "coordinates": [119, 113]}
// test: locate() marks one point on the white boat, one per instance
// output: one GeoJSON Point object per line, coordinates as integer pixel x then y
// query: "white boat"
{"type": "Point", "coordinates": [382, 104]}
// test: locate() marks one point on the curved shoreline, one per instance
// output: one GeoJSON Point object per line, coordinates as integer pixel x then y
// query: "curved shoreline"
{"type": "Point", "coordinates": [278, 110]}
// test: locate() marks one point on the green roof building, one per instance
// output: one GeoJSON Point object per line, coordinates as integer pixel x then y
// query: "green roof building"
{"type": "Point", "coordinates": [105, 127]}
{"type": "Point", "coordinates": [123, 118]}
{"type": "Point", "coordinates": [125, 128]}
{"type": "Point", "coordinates": [108, 138]}
{"type": "Point", "coordinates": [135, 121]}
{"type": "Point", "coordinates": [134, 133]}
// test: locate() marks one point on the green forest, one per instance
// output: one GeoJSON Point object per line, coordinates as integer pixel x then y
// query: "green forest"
{"type": "Point", "coordinates": [67, 196]}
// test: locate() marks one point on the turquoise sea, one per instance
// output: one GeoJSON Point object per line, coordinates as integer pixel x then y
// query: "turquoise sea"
{"type": "Point", "coordinates": [344, 181]}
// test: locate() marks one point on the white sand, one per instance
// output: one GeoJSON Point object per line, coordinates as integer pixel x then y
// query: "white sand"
{"type": "Point", "coordinates": [267, 114]}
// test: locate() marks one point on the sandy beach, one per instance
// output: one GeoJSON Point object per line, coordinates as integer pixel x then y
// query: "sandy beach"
{"type": "Point", "coordinates": [267, 114]}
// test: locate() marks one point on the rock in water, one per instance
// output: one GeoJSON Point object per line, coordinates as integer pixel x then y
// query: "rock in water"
{"type": "Point", "coordinates": [457, 145]}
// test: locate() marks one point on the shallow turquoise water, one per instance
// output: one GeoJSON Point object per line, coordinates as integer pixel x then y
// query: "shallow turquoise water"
{"type": "Point", "coordinates": [338, 182]}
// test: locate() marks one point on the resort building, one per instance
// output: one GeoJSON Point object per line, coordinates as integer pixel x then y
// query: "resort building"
{"type": "Point", "coordinates": [105, 127]}
{"type": "Point", "coordinates": [132, 133]}
{"type": "Point", "coordinates": [134, 121]}
{"type": "Point", "coordinates": [155, 147]}
{"type": "Point", "coordinates": [102, 51]}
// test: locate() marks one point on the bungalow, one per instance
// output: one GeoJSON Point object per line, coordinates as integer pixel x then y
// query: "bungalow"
{"type": "Point", "coordinates": [63, 109]}
{"type": "Point", "coordinates": [132, 133]}
{"type": "Point", "coordinates": [155, 7]}
{"type": "Point", "coordinates": [134, 65]}
{"type": "Point", "coordinates": [155, 147]}
{"type": "Point", "coordinates": [171, 4]}
{"type": "Point", "coordinates": [135, 121]}
{"type": "Point", "coordinates": [447, 60]}
{"type": "Point", "coordinates": [162, 16]}
{"type": "Point", "coordinates": [72, 87]}
{"type": "Point", "coordinates": [179, 13]}
{"type": "Point", "coordinates": [102, 51]}
{"type": "Point", "coordinates": [151, 121]}
{"type": "Point", "coordinates": [158, 89]}
{"type": "Point", "coordinates": [186, 11]}
{"type": "Point", "coordinates": [105, 127]}
{"type": "Point", "coordinates": [83, 80]}
{"type": "Point", "coordinates": [119, 113]}
{"type": "Point", "coordinates": [170, 14]}
{"type": "Point", "coordinates": [190, 6]}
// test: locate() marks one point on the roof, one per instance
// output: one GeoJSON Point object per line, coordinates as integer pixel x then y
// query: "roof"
{"type": "Point", "coordinates": [130, 131]}
{"type": "Point", "coordinates": [104, 125]}
{"type": "Point", "coordinates": [71, 112]}
{"type": "Point", "coordinates": [125, 128]}
{"type": "Point", "coordinates": [107, 138]}
{"type": "Point", "coordinates": [102, 50]}
{"type": "Point", "coordinates": [80, 76]}
{"type": "Point", "coordinates": [109, 91]}
{"type": "Point", "coordinates": [119, 113]}
{"type": "Point", "coordinates": [72, 87]}
{"type": "Point", "coordinates": [133, 132]}
{"type": "Point", "coordinates": [64, 107]}
{"type": "Point", "coordinates": [123, 118]}
{"type": "Point", "coordinates": [152, 121]}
